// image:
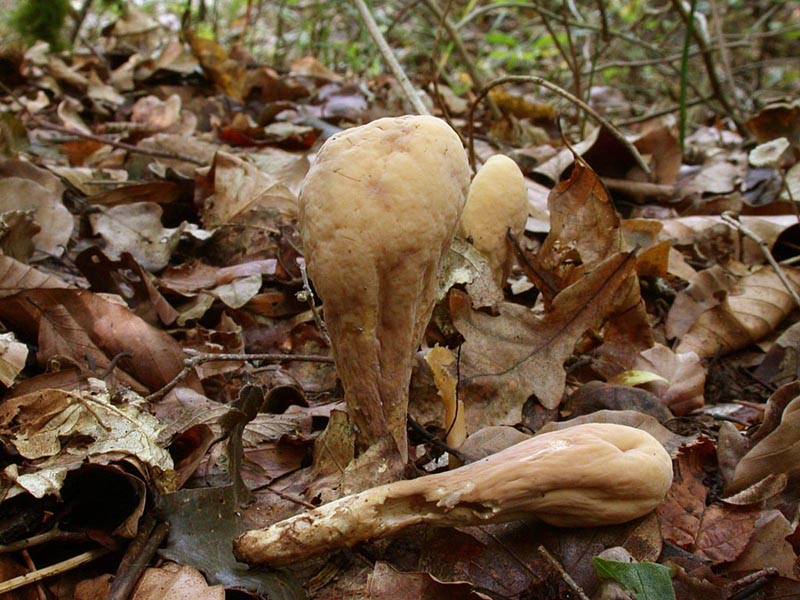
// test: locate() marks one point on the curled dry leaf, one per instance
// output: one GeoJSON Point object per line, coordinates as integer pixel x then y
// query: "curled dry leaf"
{"type": "Point", "coordinates": [685, 377]}
{"type": "Point", "coordinates": [57, 431]}
{"type": "Point", "coordinates": [239, 187]}
{"type": "Point", "coordinates": [706, 290]}
{"type": "Point", "coordinates": [507, 358]}
{"type": "Point", "coordinates": [582, 219]}
{"type": "Point", "coordinates": [777, 452]}
{"type": "Point", "coordinates": [176, 581]}
{"type": "Point", "coordinates": [13, 355]}
{"type": "Point", "coordinates": [753, 308]}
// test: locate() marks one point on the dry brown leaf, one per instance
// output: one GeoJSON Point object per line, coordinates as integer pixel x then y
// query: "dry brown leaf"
{"type": "Point", "coordinates": [127, 279]}
{"type": "Point", "coordinates": [752, 309]}
{"type": "Point", "coordinates": [507, 358]}
{"type": "Point", "coordinates": [156, 114]}
{"type": "Point", "coordinates": [385, 583]}
{"type": "Point", "coordinates": [240, 186]}
{"type": "Point", "coordinates": [13, 355]}
{"type": "Point", "coordinates": [136, 229]}
{"type": "Point", "coordinates": [582, 219]}
{"type": "Point", "coordinates": [717, 532]}
{"type": "Point", "coordinates": [708, 236]}
{"type": "Point", "coordinates": [705, 291]}
{"type": "Point", "coordinates": [89, 331]}
{"type": "Point", "coordinates": [777, 452]}
{"type": "Point", "coordinates": [172, 581]}
{"type": "Point", "coordinates": [18, 194]}
{"type": "Point", "coordinates": [768, 547]}
{"type": "Point", "coordinates": [685, 378]}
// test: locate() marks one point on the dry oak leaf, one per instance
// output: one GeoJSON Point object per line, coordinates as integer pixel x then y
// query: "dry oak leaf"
{"type": "Point", "coordinates": [82, 327]}
{"type": "Point", "coordinates": [507, 358]}
{"type": "Point", "coordinates": [582, 218]}
{"type": "Point", "coordinates": [752, 309]}
{"type": "Point", "coordinates": [718, 533]}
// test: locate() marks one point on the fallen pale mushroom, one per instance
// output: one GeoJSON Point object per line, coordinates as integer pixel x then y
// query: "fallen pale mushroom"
{"type": "Point", "coordinates": [497, 202]}
{"type": "Point", "coordinates": [378, 209]}
{"type": "Point", "coordinates": [587, 475]}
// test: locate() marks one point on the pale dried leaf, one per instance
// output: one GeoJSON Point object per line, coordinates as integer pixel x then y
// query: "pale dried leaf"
{"type": "Point", "coordinates": [136, 229]}
{"type": "Point", "coordinates": [18, 194]}
{"type": "Point", "coordinates": [13, 355]}
{"type": "Point", "coordinates": [753, 308]}
{"type": "Point", "coordinates": [684, 378]}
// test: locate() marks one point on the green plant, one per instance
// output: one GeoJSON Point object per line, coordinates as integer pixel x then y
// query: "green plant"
{"type": "Point", "coordinates": [41, 20]}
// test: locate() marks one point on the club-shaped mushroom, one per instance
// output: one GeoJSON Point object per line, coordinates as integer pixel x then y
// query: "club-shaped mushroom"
{"type": "Point", "coordinates": [378, 209]}
{"type": "Point", "coordinates": [587, 475]}
{"type": "Point", "coordinates": [497, 202]}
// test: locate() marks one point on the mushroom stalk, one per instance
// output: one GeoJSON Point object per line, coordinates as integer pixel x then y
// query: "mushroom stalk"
{"type": "Point", "coordinates": [588, 475]}
{"type": "Point", "coordinates": [378, 209]}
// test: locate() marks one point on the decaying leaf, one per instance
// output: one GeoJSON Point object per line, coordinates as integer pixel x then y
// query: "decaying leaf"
{"type": "Point", "coordinates": [58, 431]}
{"type": "Point", "coordinates": [507, 358]}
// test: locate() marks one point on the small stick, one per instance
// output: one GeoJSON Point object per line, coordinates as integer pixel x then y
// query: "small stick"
{"type": "Point", "coordinates": [138, 555]}
{"type": "Point", "coordinates": [372, 27]}
{"type": "Point", "coordinates": [56, 569]}
{"type": "Point", "coordinates": [563, 93]}
{"type": "Point", "coordinates": [735, 224]}
{"type": "Point", "coordinates": [53, 535]}
{"type": "Point", "coordinates": [564, 575]}
{"type": "Point", "coordinates": [200, 358]}
{"type": "Point", "coordinates": [309, 297]}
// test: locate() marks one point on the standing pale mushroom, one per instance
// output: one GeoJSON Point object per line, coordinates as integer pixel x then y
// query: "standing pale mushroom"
{"type": "Point", "coordinates": [378, 209]}
{"type": "Point", "coordinates": [497, 202]}
{"type": "Point", "coordinates": [587, 475]}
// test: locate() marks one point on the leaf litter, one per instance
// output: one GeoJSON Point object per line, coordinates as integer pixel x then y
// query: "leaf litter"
{"type": "Point", "coordinates": [140, 218]}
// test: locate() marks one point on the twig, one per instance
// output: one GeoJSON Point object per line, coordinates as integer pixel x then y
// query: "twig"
{"type": "Point", "coordinates": [753, 582]}
{"type": "Point", "coordinates": [708, 62]}
{"type": "Point", "coordinates": [564, 94]}
{"type": "Point", "coordinates": [469, 64]}
{"type": "Point", "coordinates": [309, 298]}
{"type": "Point", "coordinates": [372, 27]}
{"type": "Point", "coordinates": [54, 535]}
{"type": "Point", "coordinates": [138, 555]}
{"type": "Point", "coordinates": [735, 224]}
{"type": "Point", "coordinates": [564, 575]}
{"type": "Point", "coordinates": [56, 569]}
{"type": "Point", "coordinates": [199, 358]}
{"type": "Point", "coordinates": [436, 441]}
{"type": "Point", "coordinates": [284, 495]}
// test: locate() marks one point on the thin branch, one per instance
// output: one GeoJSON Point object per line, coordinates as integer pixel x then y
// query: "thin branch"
{"type": "Point", "coordinates": [564, 94]}
{"type": "Point", "coordinates": [735, 224]}
{"type": "Point", "coordinates": [391, 61]}
{"type": "Point", "coordinates": [199, 358]}
{"type": "Point", "coordinates": [56, 569]}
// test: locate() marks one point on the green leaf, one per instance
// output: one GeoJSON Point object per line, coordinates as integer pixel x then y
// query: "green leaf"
{"type": "Point", "coordinates": [647, 580]}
